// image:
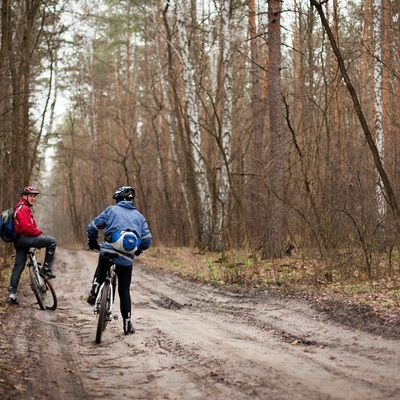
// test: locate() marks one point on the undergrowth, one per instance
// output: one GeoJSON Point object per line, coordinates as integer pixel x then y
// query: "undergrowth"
{"type": "Point", "coordinates": [343, 278]}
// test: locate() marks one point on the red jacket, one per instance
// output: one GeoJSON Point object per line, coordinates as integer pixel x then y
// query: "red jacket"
{"type": "Point", "coordinates": [24, 223]}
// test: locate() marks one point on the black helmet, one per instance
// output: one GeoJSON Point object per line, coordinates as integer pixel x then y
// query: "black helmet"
{"type": "Point", "coordinates": [125, 193]}
{"type": "Point", "coordinates": [29, 190]}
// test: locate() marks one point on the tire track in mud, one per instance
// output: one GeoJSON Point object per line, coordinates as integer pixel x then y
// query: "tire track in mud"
{"type": "Point", "coordinates": [163, 366]}
{"type": "Point", "coordinates": [360, 363]}
{"type": "Point", "coordinates": [40, 357]}
{"type": "Point", "coordinates": [195, 341]}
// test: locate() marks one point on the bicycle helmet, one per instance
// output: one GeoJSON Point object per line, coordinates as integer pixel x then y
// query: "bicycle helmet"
{"type": "Point", "coordinates": [124, 193]}
{"type": "Point", "coordinates": [29, 190]}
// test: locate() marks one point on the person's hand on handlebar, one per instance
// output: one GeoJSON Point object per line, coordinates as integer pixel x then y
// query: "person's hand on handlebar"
{"type": "Point", "coordinates": [93, 244]}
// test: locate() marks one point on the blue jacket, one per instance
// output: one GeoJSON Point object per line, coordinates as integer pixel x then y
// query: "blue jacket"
{"type": "Point", "coordinates": [116, 218]}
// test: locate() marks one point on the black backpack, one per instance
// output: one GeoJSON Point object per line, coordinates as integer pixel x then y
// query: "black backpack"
{"type": "Point", "coordinates": [7, 231]}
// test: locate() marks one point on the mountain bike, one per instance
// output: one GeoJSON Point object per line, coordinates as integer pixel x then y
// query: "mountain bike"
{"type": "Point", "coordinates": [42, 288]}
{"type": "Point", "coordinates": [105, 301]}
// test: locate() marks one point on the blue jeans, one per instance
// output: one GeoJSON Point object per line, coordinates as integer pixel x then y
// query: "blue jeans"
{"type": "Point", "coordinates": [22, 246]}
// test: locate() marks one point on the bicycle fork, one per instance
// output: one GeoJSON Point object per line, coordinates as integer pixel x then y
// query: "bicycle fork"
{"type": "Point", "coordinates": [40, 280]}
{"type": "Point", "coordinates": [98, 300]}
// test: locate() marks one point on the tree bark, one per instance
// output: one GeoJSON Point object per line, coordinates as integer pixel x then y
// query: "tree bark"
{"type": "Point", "coordinates": [274, 236]}
{"type": "Point", "coordinates": [256, 195]}
{"type": "Point", "coordinates": [192, 126]}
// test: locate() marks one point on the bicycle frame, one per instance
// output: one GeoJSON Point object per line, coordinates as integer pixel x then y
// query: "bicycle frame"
{"type": "Point", "coordinates": [34, 264]}
{"type": "Point", "coordinates": [40, 285]}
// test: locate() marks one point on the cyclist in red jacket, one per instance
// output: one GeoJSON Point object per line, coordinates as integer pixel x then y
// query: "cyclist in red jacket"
{"type": "Point", "coordinates": [29, 235]}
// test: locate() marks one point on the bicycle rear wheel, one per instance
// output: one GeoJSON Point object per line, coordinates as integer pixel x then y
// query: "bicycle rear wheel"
{"type": "Point", "coordinates": [38, 288]}
{"type": "Point", "coordinates": [105, 302]}
{"type": "Point", "coordinates": [51, 301]}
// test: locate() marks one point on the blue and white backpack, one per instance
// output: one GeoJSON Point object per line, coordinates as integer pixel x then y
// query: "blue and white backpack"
{"type": "Point", "coordinates": [126, 241]}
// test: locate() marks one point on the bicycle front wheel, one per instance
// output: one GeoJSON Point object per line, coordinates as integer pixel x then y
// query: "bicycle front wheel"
{"type": "Point", "coordinates": [51, 297]}
{"type": "Point", "coordinates": [104, 311]}
{"type": "Point", "coordinates": [37, 286]}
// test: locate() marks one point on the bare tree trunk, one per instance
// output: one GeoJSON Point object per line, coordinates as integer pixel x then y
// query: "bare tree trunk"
{"type": "Point", "coordinates": [21, 50]}
{"type": "Point", "coordinates": [6, 137]}
{"type": "Point", "coordinates": [396, 136]}
{"type": "Point", "coordinates": [223, 179]}
{"type": "Point", "coordinates": [172, 104]}
{"type": "Point", "coordinates": [193, 127]}
{"type": "Point", "coordinates": [386, 65]}
{"type": "Point", "coordinates": [274, 236]}
{"type": "Point", "coordinates": [378, 101]}
{"type": "Point", "coordinates": [21, 30]}
{"type": "Point", "coordinates": [256, 197]}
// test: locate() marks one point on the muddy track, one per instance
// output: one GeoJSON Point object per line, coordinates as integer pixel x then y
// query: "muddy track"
{"type": "Point", "coordinates": [192, 341]}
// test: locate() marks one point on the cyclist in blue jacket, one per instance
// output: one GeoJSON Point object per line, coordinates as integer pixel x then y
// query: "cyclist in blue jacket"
{"type": "Point", "coordinates": [126, 235]}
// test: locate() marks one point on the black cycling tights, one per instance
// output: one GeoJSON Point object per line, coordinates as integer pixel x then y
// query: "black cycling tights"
{"type": "Point", "coordinates": [124, 283]}
{"type": "Point", "coordinates": [124, 275]}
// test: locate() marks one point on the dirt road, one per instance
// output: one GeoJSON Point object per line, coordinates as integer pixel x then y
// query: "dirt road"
{"type": "Point", "coordinates": [192, 341]}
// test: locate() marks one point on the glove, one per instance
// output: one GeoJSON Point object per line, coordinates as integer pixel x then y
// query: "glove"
{"type": "Point", "coordinates": [138, 252]}
{"type": "Point", "coordinates": [93, 245]}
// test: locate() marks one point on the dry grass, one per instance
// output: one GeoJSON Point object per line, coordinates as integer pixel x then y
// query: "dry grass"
{"type": "Point", "coordinates": [311, 276]}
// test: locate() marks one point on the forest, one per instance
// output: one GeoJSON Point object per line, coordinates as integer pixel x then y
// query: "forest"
{"type": "Point", "coordinates": [262, 126]}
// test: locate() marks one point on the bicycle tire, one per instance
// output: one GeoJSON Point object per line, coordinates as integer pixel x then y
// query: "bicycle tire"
{"type": "Point", "coordinates": [53, 305]}
{"type": "Point", "coordinates": [36, 288]}
{"type": "Point", "coordinates": [104, 308]}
